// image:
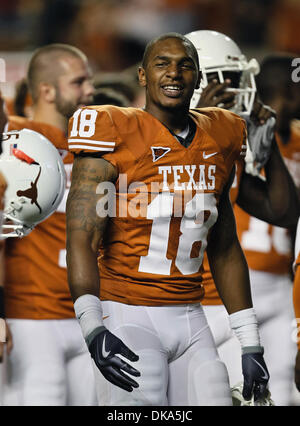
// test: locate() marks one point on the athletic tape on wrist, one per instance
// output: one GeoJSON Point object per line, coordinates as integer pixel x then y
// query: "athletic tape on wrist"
{"type": "Point", "coordinates": [244, 324]}
{"type": "Point", "coordinates": [89, 313]}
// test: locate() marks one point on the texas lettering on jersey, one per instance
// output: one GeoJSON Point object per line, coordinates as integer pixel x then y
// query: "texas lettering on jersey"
{"type": "Point", "coordinates": [166, 198]}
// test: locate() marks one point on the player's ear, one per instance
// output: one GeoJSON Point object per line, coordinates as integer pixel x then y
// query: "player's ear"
{"type": "Point", "coordinates": [142, 77]}
{"type": "Point", "coordinates": [47, 92]}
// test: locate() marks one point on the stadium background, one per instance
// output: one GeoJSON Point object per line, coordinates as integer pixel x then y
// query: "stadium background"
{"type": "Point", "coordinates": [113, 33]}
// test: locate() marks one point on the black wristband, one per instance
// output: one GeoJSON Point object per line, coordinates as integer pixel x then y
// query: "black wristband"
{"type": "Point", "coordinates": [2, 310]}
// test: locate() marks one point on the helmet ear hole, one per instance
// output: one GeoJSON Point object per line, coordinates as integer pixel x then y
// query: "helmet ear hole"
{"type": "Point", "coordinates": [34, 188]}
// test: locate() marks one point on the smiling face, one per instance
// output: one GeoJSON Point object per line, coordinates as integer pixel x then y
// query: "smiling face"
{"type": "Point", "coordinates": [73, 86]}
{"type": "Point", "coordinates": [170, 75]}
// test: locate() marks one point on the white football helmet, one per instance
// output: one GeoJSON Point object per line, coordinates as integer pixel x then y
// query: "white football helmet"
{"type": "Point", "coordinates": [238, 399]}
{"type": "Point", "coordinates": [36, 181]}
{"type": "Point", "coordinates": [218, 54]}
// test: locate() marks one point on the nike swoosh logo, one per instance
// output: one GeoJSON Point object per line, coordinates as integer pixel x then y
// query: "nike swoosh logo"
{"type": "Point", "coordinates": [266, 376]}
{"type": "Point", "coordinates": [206, 156]}
{"type": "Point", "coordinates": [104, 352]}
{"type": "Point", "coordinates": [106, 316]}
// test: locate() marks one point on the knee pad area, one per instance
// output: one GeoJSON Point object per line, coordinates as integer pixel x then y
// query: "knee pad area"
{"type": "Point", "coordinates": [209, 384]}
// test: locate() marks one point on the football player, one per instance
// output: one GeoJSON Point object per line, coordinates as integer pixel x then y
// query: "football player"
{"type": "Point", "coordinates": [225, 66]}
{"type": "Point", "coordinates": [150, 191]}
{"type": "Point", "coordinates": [49, 363]}
{"type": "Point", "coordinates": [268, 249]}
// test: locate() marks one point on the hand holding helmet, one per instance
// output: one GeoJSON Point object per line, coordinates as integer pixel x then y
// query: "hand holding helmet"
{"type": "Point", "coordinates": [35, 177]}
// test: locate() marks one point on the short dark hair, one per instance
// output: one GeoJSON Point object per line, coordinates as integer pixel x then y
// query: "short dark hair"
{"type": "Point", "coordinates": [43, 65]}
{"type": "Point", "coordinates": [166, 36]}
{"type": "Point", "coordinates": [275, 76]}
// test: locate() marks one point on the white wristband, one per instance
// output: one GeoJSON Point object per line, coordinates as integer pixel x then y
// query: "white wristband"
{"type": "Point", "coordinates": [89, 313]}
{"type": "Point", "coordinates": [244, 324]}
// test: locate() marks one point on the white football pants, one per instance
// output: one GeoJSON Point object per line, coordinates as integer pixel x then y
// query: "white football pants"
{"type": "Point", "coordinates": [49, 365]}
{"type": "Point", "coordinates": [178, 360]}
{"type": "Point", "coordinates": [272, 301]}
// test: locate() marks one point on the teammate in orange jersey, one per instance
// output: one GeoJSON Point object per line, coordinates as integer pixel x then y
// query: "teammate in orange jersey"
{"type": "Point", "coordinates": [264, 199]}
{"type": "Point", "coordinates": [268, 249]}
{"type": "Point", "coordinates": [166, 172]}
{"type": "Point", "coordinates": [49, 364]}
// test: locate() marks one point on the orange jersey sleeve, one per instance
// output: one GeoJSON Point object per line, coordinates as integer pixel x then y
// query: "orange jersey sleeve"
{"type": "Point", "coordinates": [269, 248]}
{"type": "Point", "coordinates": [166, 198]}
{"type": "Point", "coordinates": [36, 284]}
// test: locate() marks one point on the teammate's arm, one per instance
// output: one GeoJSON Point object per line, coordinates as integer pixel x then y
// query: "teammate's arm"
{"type": "Point", "coordinates": [231, 276]}
{"type": "Point", "coordinates": [3, 116]}
{"type": "Point", "coordinates": [6, 334]}
{"type": "Point", "coordinates": [296, 301]}
{"type": "Point", "coordinates": [85, 230]}
{"type": "Point", "coordinates": [274, 199]}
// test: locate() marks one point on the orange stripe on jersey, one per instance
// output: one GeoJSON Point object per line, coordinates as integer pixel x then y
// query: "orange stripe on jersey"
{"type": "Point", "coordinates": [37, 288]}
{"type": "Point", "coordinates": [87, 145]}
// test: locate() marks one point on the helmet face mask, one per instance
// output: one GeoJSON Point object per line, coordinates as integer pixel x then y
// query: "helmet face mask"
{"type": "Point", "coordinates": [220, 56]}
{"type": "Point", "coordinates": [35, 176]}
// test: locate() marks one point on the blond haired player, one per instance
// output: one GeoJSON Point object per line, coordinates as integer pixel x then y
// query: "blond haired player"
{"type": "Point", "coordinates": [49, 364]}
{"type": "Point", "coordinates": [169, 170]}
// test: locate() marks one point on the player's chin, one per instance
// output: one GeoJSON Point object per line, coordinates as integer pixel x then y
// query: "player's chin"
{"type": "Point", "coordinates": [175, 103]}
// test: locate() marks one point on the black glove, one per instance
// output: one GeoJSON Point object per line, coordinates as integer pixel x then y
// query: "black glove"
{"type": "Point", "coordinates": [256, 375]}
{"type": "Point", "coordinates": [103, 348]}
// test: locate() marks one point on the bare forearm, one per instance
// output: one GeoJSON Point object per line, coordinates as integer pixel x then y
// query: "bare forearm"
{"type": "Point", "coordinates": [85, 227]}
{"type": "Point", "coordinates": [231, 277]}
{"type": "Point", "coordinates": [83, 273]}
{"type": "Point", "coordinates": [273, 199]}
{"type": "Point", "coordinates": [227, 262]}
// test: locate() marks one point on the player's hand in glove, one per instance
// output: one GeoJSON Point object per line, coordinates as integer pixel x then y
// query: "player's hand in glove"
{"type": "Point", "coordinates": [103, 348]}
{"type": "Point", "coordinates": [256, 375]}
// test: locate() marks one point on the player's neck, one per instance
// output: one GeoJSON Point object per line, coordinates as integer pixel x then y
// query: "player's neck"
{"type": "Point", "coordinates": [49, 115]}
{"type": "Point", "coordinates": [175, 120]}
{"type": "Point", "coordinates": [283, 120]}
